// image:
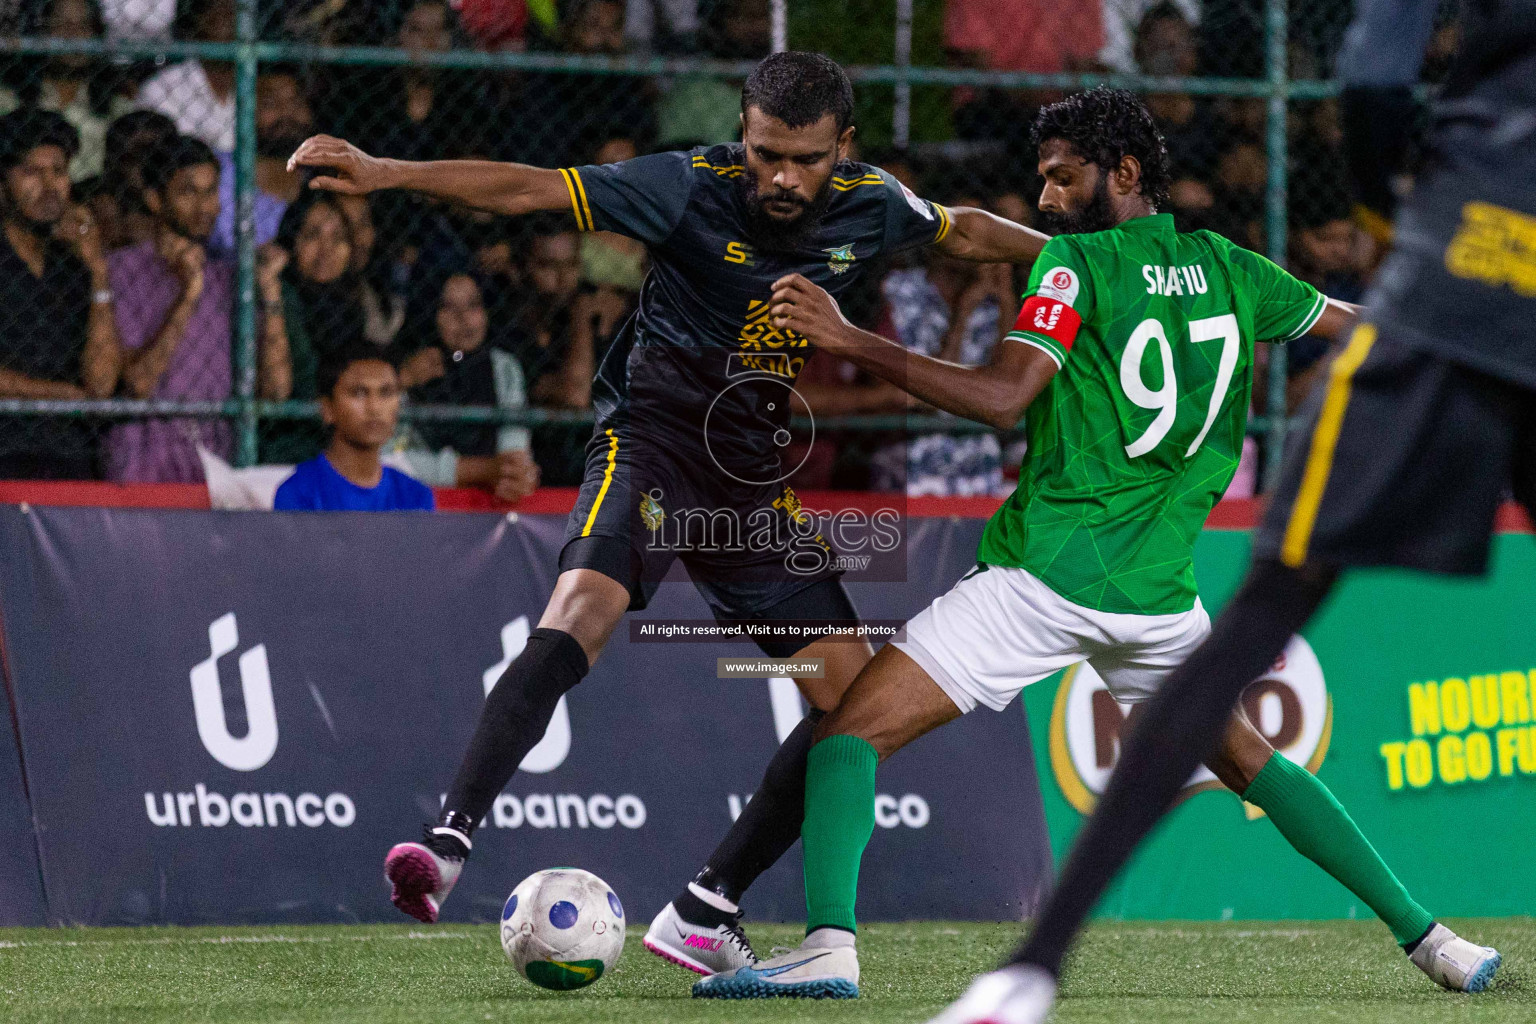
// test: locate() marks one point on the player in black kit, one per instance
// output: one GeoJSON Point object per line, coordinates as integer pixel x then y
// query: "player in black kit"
{"type": "Point", "coordinates": [1426, 421]}
{"type": "Point", "coordinates": [694, 404]}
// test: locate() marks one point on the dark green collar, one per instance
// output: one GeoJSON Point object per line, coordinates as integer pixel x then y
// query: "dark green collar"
{"type": "Point", "coordinates": [1151, 222]}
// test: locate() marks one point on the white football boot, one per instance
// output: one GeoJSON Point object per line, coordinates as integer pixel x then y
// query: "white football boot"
{"type": "Point", "coordinates": [1014, 995]}
{"type": "Point", "coordinates": [1454, 963]}
{"type": "Point", "coordinates": [420, 877]}
{"type": "Point", "coordinates": [810, 972]}
{"type": "Point", "coordinates": [703, 949]}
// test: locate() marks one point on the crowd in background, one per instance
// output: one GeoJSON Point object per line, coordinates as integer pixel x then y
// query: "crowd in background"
{"type": "Point", "coordinates": [116, 261]}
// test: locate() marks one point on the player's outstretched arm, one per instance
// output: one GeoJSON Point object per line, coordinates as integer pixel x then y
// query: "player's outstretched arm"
{"type": "Point", "coordinates": [1337, 317]}
{"type": "Point", "coordinates": [508, 189]}
{"type": "Point", "coordinates": [996, 394]}
{"type": "Point", "coordinates": [984, 237]}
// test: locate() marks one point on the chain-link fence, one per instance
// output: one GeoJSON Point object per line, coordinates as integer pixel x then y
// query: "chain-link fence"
{"type": "Point", "coordinates": [159, 257]}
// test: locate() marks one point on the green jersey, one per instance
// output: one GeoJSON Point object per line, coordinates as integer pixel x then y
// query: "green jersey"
{"type": "Point", "coordinates": [1140, 432]}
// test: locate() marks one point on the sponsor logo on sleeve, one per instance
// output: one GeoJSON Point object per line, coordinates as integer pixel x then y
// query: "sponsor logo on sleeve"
{"type": "Point", "coordinates": [1051, 317]}
{"type": "Point", "coordinates": [1060, 284]}
{"type": "Point", "coordinates": [923, 209]}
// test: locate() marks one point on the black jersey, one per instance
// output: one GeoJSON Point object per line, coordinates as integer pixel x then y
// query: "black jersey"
{"type": "Point", "coordinates": [1461, 278]}
{"type": "Point", "coordinates": [698, 366]}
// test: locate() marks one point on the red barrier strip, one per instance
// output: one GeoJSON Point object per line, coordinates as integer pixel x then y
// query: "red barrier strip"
{"type": "Point", "coordinates": [1235, 514]}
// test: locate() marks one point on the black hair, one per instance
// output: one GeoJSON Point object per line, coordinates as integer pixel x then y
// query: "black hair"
{"type": "Point", "coordinates": [541, 225]}
{"type": "Point", "coordinates": [163, 161]}
{"type": "Point", "coordinates": [38, 23]}
{"type": "Point", "coordinates": [131, 125]}
{"type": "Point", "coordinates": [335, 363]}
{"type": "Point", "coordinates": [1316, 200]}
{"type": "Point", "coordinates": [1104, 125]}
{"type": "Point", "coordinates": [1167, 10]}
{"type": "Point", "coordinates": [188, 13]}
{"type": "Point", "coordinates": [292, 221]}
{"type": "Point", "coordinates": [101, 78]}
{"type": "Point", "coordinates": [799, 88]}
{"type": "Point", "coordinates": [26, 128]}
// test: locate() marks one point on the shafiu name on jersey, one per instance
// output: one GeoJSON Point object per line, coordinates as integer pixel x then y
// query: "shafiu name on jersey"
{"type": "Point", "coordinates": [1137, 437]}
{"type": "Point", "coordinates": [699, 366]}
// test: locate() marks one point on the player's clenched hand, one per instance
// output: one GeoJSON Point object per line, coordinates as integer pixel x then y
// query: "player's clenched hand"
{"type": "Point", "coordinates": [517, 475]}
{"type": "Point", "coordinates": [350, 171]}
{"type": "Point", "coordinates": [809, 311]}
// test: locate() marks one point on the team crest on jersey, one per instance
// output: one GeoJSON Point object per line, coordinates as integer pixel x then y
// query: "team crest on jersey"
{"type": "Point", "coordinates": [1060, 284]}
{"type": "Point", "coordinates": [651, 512]}
{"type": "Point", "coordinates": [839, 259]}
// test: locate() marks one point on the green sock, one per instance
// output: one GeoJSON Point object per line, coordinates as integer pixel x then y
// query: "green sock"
{"type": "Point", "coordinates": [839, 819]}
{"type": "Point", "coordinates": [1317, 825]}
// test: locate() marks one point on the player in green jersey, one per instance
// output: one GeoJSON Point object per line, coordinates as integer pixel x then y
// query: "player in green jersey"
{"type": "Point", "coordinates": [1132, 364]}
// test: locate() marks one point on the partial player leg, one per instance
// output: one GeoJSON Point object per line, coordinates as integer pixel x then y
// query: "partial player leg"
{"type": "Point", "coordinates": [1317, 825]}
{"type": "Point", "coordinates": [1319, 828]}
{"type": "Point", "coordinates": [1523, 471]}
{"type": "Point", "coordinates": [1379, 476]}
{"type": "Point", "coordinates": [891, 703]}
{"type": "Point", "coordinates": [995, 632]}
{"type": "Point", "coordinates": [700, 929]}
{"type": "Point", "coordinates": [1177, 732]}
{"type": "Point", "coordinates": [581, 614]}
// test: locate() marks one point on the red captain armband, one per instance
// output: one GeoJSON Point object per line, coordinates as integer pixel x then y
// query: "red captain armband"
{"type": "Point", "coordinates": [1050, 317]}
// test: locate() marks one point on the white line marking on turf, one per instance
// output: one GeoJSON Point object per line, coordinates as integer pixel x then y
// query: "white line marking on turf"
{"type": "Point", "coordinates": [227, 940]}
{"type": "Point", "coordinates": [1187, 933]}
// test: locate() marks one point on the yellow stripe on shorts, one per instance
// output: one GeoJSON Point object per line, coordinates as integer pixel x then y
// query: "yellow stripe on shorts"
{"type": "Point", "coordinates": [1325, 438]}
{"type": "Point", "coordinates": [602, 492]}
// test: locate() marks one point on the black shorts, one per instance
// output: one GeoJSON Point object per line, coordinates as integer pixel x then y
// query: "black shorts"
{"type": "Point", "coordinates": [1404, 460]}
{"type": "Point", "coordinates": [643, 506]}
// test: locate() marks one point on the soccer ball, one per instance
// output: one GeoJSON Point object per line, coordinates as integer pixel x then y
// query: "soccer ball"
{"type": "Point", "coordinates": [562, 928]}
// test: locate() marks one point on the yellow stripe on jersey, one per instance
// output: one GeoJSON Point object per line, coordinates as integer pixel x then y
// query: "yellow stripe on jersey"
{"type": "Point", "coordinates": [724, 170]}
{"type": "Point", "coordinates": [570, 187]}
{"type": "Point", "coordinates": [845, 184]}
{"type": "Point", "coordinates": [945, 223]}
{"type": "Point", "coordinates": [1325, 438]}
{"type": "Point", "coordinates": [602, 492]}
{"type": "Point", "coordinates": [581, 190]}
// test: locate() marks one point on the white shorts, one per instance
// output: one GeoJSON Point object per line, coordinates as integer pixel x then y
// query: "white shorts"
{"type": "Point", "coordinates": [1000, 629]}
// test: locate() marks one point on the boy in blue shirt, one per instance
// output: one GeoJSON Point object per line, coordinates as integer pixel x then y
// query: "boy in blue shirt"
{"type": "Point", "coordinates": [360, 402]}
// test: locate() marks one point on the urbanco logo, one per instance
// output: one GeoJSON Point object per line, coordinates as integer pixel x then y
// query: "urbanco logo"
{"type": "Point", "coordinates": [550, 752]}
{"type": "Point", "coordinates": [252, 751]}
{"type": "Point", "coordinates": [1289, 704]}
{"type": "Point", "coordinates": [256, 748]}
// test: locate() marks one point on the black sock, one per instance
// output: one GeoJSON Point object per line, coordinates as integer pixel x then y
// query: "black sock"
{"type": "Point", "coordinates": [451, 836]}
{"type": "Point", "coordinates": [695, 911]}
{"type": "Point", "coordinates": [1179, 729]}
{"type": "Point", "coordinates": [1409, 947]}
{"type": "Point", "coordinates": [516, 713]}
{"type": "Point", "coordinates": [766, 827]}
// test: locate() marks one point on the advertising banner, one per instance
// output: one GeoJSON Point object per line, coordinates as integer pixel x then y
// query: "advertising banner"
{"type": "Point", "coordinates": [1411, 697]}
{"type": "Point", "coordinates": [229, 717]}
{"type": "Point", "coordinates": [21, 893]}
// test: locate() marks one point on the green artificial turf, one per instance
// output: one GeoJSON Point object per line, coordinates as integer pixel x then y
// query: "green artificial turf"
{"type": "Point", "coordinates": [1186, 972]}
